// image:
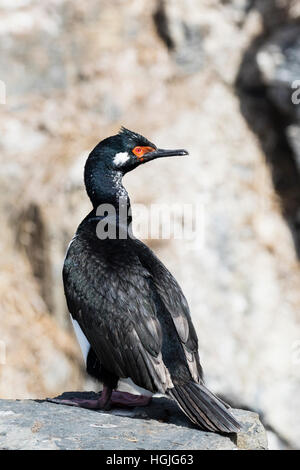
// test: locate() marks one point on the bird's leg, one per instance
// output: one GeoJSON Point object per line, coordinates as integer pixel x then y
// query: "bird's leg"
{"type": "Point", "coordinates": [105, 398]}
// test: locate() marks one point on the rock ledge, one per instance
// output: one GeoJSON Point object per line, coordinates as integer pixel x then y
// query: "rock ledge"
{"type": "Point", "coordinates": [29, 424]}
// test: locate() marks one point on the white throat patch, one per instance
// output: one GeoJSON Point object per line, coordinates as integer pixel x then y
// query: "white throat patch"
{"type": "Point", "coordinates": [121, 158]}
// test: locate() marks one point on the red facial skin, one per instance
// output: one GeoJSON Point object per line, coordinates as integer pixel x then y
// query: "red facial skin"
{"type": "Point", "coordinates": [140, 151]}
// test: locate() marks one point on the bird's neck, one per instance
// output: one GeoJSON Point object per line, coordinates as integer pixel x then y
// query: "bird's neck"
{"type": "Point", "coordinates": [105, 190]}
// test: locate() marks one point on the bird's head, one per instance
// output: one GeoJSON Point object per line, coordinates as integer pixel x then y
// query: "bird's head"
{"type": "Point", "coordinates": [127, 150]}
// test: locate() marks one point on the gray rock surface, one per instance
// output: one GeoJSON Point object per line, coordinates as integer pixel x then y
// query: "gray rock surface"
{"type": "Point", "coordinates": [29, 424]}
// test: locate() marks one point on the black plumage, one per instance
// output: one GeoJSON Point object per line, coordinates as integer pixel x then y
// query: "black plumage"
{"type": "Point", "coordinates": [129, 307]}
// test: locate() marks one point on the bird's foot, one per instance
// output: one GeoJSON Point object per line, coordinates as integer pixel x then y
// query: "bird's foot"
{"type": "Point", "coordinates": [91, 404]}
{"type": "Point", "coordinates": [125, 399]}
{"type": "Point", "coordinates": [101, 402]}
{"type": "Point", "coordinates": [117, 399]}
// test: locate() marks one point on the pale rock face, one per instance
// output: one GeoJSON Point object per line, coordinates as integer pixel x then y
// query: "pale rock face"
{"type": "Point", "coordinates": [73, 75]}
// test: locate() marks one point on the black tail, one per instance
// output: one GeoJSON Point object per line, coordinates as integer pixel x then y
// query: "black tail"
{"type": "Point", "coordinates": [203, 408]}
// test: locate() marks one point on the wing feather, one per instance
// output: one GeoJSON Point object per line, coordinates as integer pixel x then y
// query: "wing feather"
{"type": "Point", "coordinates": [176, 304]}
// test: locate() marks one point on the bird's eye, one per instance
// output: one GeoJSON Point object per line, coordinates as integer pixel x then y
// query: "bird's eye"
{"type": "Point", "coordinates": [140, 151]}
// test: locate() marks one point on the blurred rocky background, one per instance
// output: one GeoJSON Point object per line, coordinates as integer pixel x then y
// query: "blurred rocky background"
{"type": "Point", "coordinates": [213, 76]}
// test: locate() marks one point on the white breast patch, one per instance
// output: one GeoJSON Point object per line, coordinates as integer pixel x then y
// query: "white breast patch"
{"type": "Point", "coordinates": [81, 338]}
{"type": "Point", "coordinates": [121, 158]}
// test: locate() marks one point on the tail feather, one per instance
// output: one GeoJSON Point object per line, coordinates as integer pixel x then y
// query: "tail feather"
{"type": "Point", "coordinates": [204, 408]}
{"type": "Point", "coordinates": [188, 409]}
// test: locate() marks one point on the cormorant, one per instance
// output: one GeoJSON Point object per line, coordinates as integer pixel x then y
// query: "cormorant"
{"type": "Point", "coordinates": [129, 313]}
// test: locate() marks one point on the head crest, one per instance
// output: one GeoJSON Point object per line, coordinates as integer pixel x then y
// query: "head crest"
{"type": "Point", "coordinates": [135, 137]}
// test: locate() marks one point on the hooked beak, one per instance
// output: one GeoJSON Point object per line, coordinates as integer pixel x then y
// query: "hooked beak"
{"type": "Point", "coordinates": [158, 153]}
